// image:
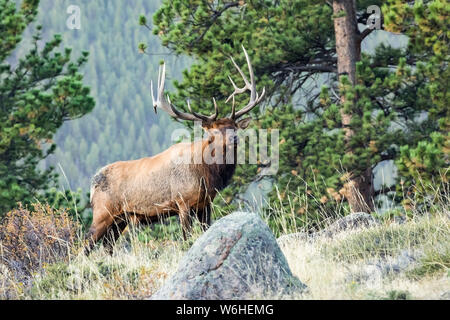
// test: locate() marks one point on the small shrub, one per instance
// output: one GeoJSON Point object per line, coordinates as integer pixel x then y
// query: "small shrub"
{"type": "Point", "coordinates": [73, 202]}
{"type": "Point", "coordinates": [108, 270]}
{"type": "Point", "coordinates": [168, 228]}
{"type": "Point", "coordinates": [397, 295]}
{"type": "Point", "coordinates": [55, 279]}
{"type": "Point", "coordinates": [435, 261]}
{"type": "Point", "coordinates": [32, 239]}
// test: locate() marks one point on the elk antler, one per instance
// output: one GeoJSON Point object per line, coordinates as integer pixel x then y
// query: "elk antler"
{"type": "Point", "coordinates": [167, 106]}
{"type": "Point", "coordinates": [254, 97]}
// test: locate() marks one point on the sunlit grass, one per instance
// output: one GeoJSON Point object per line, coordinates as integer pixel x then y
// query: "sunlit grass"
{"type": "Point", "coordinates": [340, 267]}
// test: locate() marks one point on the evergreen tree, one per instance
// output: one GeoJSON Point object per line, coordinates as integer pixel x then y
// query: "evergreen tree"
{"type": "Point", "coordinates": [119, 77]}
{"type": "Point", "coordinates": [424, 164]}
{"type": "Point", "coordinates": [371, 107]}
{"type": "Point", "coordinates": [37, 95]}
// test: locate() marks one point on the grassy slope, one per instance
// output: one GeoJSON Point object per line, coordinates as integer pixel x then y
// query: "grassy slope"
{"type": "Point", "coordinates": [345, 267]}
{"type": "Point", "coordinates": [337, 268]}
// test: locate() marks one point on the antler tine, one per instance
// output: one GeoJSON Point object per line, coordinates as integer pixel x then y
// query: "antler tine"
{"type": "Point", "coordinates": [189, 105]}
{"type": "Point", "coordinates": [240, 71]}
{"type": "Point", "coordinates": [153, 97]}
{"type": "Point", "coordinates": [178, 114]}
{"type": "Point", "coordinates": [161, 79]}
{"type": "Point", "coordinates": [160, 100]}
{"type": "Point", "coordinates": [251, 86]}
{"type": "Point", "coordinates": [202, 117]}
{"type": "Point", "coordinates": [237, 90]}
{"type": "Point", "coordinates": [233, 109]}
{"type": "Point", "coordinates": [216, 110]}
{"type": "Point", "coordinates": [252, 76]}
{"type": "Point", "coordinates": [167, 106]}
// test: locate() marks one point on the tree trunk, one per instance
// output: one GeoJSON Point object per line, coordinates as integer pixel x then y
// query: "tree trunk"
{"type": "Point", "coordinates": [359, 189]}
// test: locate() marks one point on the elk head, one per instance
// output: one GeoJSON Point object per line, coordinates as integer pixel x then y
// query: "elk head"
{"type": "Point", "coordinates": [223, 129]}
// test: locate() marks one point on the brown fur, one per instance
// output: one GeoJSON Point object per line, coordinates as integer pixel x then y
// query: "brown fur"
{"type": "Point", "coordinates": [143, 189]}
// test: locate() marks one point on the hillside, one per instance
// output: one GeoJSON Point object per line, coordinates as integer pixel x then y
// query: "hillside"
{"type": "Point", "coordinates": [123, 124]}
{"type": "Point", "coordinates": [357, 206]}
{"type": "Point", "coordinates": [391, 259]}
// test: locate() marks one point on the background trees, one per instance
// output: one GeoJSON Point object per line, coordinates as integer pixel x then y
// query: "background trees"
{"type": "Point", "coordinates": [425, 161]}
{"type": "Point", "coordinates": [398, 104]}
{"type": "Point", "coordinates": [356, 109]}
{"type": "Point", "coordinates": [123, 125]}
{"type": "Point", "coordinates": [37, 94]}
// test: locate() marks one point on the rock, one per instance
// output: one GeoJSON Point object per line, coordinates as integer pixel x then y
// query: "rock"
{"type": "Point", "coordinates": [372, 273]}
{"type": "Point", "coordinates": [293, 237]}
{"type": "Point", "coordinates": [237, 258]}
{"type": "Point", "coordinates": [404, 260]}
{"type": "Point", "coordinates": [445, 296]}
{"type": "Point", "coordinates": [399, 219]}
{"type": "Point", "coordinates": [353, 221]}
{"type": "Point", "coordinates": [399, 263]}
{"type": "Point", "coordinates": [376, 270]}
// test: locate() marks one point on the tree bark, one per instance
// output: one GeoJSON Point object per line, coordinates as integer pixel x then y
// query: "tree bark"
{"type": "Point", "coordinates": [358, 189]}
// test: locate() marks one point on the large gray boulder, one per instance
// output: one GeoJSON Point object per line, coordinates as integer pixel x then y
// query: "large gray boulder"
{"type": "Point", "coordinates": [237, 258]}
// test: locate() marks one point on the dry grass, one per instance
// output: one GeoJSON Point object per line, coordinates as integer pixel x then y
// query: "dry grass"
{"type": "Point", "coordinates": [338, 268]}
{"type": "Point", "coordinates": [130, 273]}
{"type": "Point", "coordinates": [345, 267]}
{"type": "Point", "coordinates": [30, 240]}
{"type": "Point", "coordinates": [139, 265]}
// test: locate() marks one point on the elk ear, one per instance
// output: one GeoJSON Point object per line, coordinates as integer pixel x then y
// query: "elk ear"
{"type": "Point", "coordinates": [243, 124]}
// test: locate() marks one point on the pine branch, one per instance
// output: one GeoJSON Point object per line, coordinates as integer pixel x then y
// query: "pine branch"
{"type": "Point", "coordinates": [213, 19]}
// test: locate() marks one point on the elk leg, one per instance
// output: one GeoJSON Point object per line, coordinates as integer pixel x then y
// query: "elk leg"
{"type": "Point", "coordinates": [113, 233]}
{"type": "Point", "coordinates": [100, 224]}
{"type": "Point", "coordinates": [204, 217]}
{"type": "Point", "coordinates": [133, 220]}
{"type": "Point", "coordinates": [185, 220]}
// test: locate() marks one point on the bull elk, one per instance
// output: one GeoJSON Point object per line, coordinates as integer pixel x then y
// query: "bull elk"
{"type": "Point", "coordinates": [141, 190]}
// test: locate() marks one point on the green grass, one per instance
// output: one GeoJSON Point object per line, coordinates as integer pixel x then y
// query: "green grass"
{"type": "Point", "coordinates": [436, 260]}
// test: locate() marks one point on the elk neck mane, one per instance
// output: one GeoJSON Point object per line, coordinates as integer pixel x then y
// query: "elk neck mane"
{"type": "Point", "coordinates": [217, 176]}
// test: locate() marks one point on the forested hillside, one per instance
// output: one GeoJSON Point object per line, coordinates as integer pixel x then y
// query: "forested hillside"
{"type": "Point", "coordinates": [357, 203]}
{"type": "Point", "coordinates": [388, 106]}
{"type": "Point", "coordinates": [123, 124]}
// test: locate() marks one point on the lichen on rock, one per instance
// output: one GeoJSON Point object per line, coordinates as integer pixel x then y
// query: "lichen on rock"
{"type": "Point", "coordinates": [237, 258]}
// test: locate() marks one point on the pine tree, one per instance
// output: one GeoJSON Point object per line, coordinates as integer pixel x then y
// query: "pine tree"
{"type": "Point", "coordinates": [37, 95]}
{"type": "Point", "coordinates": [119, 77]}
{"type": "Point", "coordinates": [367, 109]}
{"type": "Point", "coordinates": [424, 164]}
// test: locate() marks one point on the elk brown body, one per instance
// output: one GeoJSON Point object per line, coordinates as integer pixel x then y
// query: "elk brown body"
{"type": "Point", "coordinates": [173, 181]}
